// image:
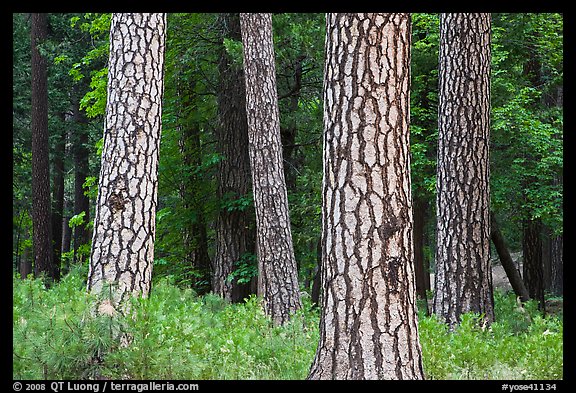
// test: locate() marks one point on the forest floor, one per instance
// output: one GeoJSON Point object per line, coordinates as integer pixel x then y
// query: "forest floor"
{"type": "Point", "coordinates": [500, 281]}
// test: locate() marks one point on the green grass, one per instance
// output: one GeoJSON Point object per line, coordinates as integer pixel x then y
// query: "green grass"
{"type": "Point", "coordinates": [178, 335]}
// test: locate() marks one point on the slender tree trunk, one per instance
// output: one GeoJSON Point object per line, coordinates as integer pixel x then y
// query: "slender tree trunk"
{"type": "Point", "coordinates": [42, 231]}
{"type": "Point", "coordinates": [66, 234]}
{"type": "Point", "coordinates": [463, 280]}
{"type": "Point", "coordinates": [81, 155]}
{"type": "Point", "coordinates": [533, 269]}
{"type": "Point", "coordinates": [234, 227]}
{"type": "Point", "coordinates": [557, 284]}
{"type": "Point", "coordinates": [506, 260]}
{"type": "Point", "coordinates": [58, 200]}
{"type": "Point", "coordinates": [195, 237]}
{"type": "Point", "coordinates": [288, 133]}
{"type": "Point", "coordinates": [277, 271]}
{"type": "Point", "coordinates": [368, 325]}
{"type": "Point", "coordinates": [420, 267]}
{"type": "Point", "coordinates": [124, 225]}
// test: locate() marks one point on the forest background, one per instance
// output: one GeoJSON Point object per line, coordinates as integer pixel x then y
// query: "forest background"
{"type": "Point", "coordinates": [526, 154]}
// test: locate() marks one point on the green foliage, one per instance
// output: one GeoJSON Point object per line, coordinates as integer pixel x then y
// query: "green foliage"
{"type": "Point", "coordinates": [521, 344]}
{"type": "Point", "coordinates": [245, 269]}
{"type": "Point", "coordinates": [178, 335]}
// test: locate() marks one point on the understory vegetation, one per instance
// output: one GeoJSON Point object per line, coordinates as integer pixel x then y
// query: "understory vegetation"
{"type": "Point", "coordinates": [175, 334]}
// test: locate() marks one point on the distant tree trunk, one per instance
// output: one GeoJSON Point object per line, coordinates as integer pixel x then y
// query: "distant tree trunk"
{"type": "Point", "coordinates": [42, 231]}
{"type": "Point", "coordinates": [317, 280]}
{"type": "Point", "coordinates": [463, 280]}
{"type": "Point", "coordinates": [58, 200]}
{"type": "Point", "coordinates": [66, 233]}
{"type": "Point", "coordinates": [277, 271]}
{"type": "Point", "coordinates": [288, 133]}
{"type": "Point", "coordinates": [195, 235]}
{"type": "Point", "coordinates": [368, 325]}
{"type": "Point", "coordinates": [533, 270]}
{"type": "Point", "coordinates": [557, 276]}
{"type": "Point", "coordinates": [420, 266]}
{"type": "Point", "coordinates": [235, 226]}
{"type": "Point", "coordinates": [81, 155]}
{"type": "Point", "coordinates": [506, 260]}
{"type": "Point", "coordinates": [122, 252]}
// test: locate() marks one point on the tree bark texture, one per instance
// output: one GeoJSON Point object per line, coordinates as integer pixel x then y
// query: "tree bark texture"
{"type": "Point", "coordinates": [41, 218]}
{"type": "Point", "coordinates": [234, 227]}
{"type": "Point", "coordinates": [463, 280]}
{"type": "Point", "coordinates": [368, 326]}
{"type": "Point", "coordinates": [506, 260]}
{"type": "Point", "coordinates": [277, 271]}
{"type": "Point", "coordinates": [533, 269]}
{"type": "Point", "coordinates": [124, 225]}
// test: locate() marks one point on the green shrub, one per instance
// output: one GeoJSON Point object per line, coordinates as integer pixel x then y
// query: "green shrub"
{"type": "Point", "coordinates": [177, 335]}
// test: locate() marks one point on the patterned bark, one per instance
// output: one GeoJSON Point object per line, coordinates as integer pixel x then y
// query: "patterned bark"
{"type": "Point", "coordinates": [124, 224]}
{"type": "Point", "coordinates": [234, 227]}
{"type": "Point", "coordinates": [368, 327]}
{"type": "Point", "coordinates": [463, 281]}
{"type": "Point", "coordinates": [42, 238]}
{"type": "Point", "coordinates": [278, 275]}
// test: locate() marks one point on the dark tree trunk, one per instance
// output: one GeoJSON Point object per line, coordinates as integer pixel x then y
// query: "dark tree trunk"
{"type": "Point", "coordinates": [277, 271]}
{"type": "Point", "coordinates": [195, 236]}
{"type": "Point", "coordinates": [66, 233]}
{"type": "Point", "coordinates": [533, 269]}
{"type": "Point", "coordinates": [235, 227]}
{"type": "Point", "coordinates": [368, 325]}
{"type": "Point", "coordinates": [288, 133]}
{"type": "Point", "coordinates": [557, 276]}
{"type": "Point", "coordinates": [81, 154]}
{"type": "Point", "coordinates": [463, 280]}
{"type": "Point", "coordinates": [317, 281]}
{"type": "Point", "coordinates": [421, 272]}
{"type": "Point", "coordinates": [506, 260]}
{"type": "Point", "coordinates": [41, 220]}
{"type": "Point", "coordinates": [58, 200]}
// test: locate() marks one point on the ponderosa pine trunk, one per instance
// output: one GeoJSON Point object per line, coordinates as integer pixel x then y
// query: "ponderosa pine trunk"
{"type": "Point", "coordinates": [235, 240]}
{"type": "Point", "coordinates": [463, 280]}
{"type": "Point", "coordinates": [58, 200]}
{"type": "Point", "coordinates": [41, 217]}
{"type": "Point", "coordinates": [533, 269]}
{"type": "Point", "coordinates": [124, 225]}
{"type": "Point", "coordinates": [277, 271]}
{"type": "Point", "coordinates": [368, 326]}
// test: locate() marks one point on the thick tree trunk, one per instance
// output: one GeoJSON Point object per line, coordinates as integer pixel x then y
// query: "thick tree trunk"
{"type": "Point", "coordinates": [533, 269]}
{"type": "Point", "coordinates": [368, 326]}
{"type": "Point", "coordinates": [277, 271]}
{"type": "Point", "coordinates": [506, 260]}
{"type": "Point", "coordinates": [124, 225]}
{"type": "Point", "coordinates": [42, 231]}
{"type": "Point", "coordinates": [234, 227]}
{"type": "Point", "coordinates": [463, 280]}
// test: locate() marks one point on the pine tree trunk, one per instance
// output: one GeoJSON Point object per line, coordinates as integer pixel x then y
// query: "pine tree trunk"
{"type": "Point", "coordinates": [81, 154]}
{"type": "Point", "coordinates": [277, 272]}
{"type": "Point", "coordinates": [506, 260]}
{"type": "Point", "coordinates": [234, 227]}
{"type": "Point", "coordinates": [533, 269]}
{"type": "Point", "coordinates": [368, 326]}
{"type": "Point", "coordinates": [463, 280]}
{"type": "Point", "coordinates": [557, 285]}
{"type": "Point", "coordinates": [42, 231]}
{"type": "Point", "coordinates": [58, 200]}
{"type": "Point", "coordinates": [124, 225]}
{"type": "Point", "coordinates": [420, 267]}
